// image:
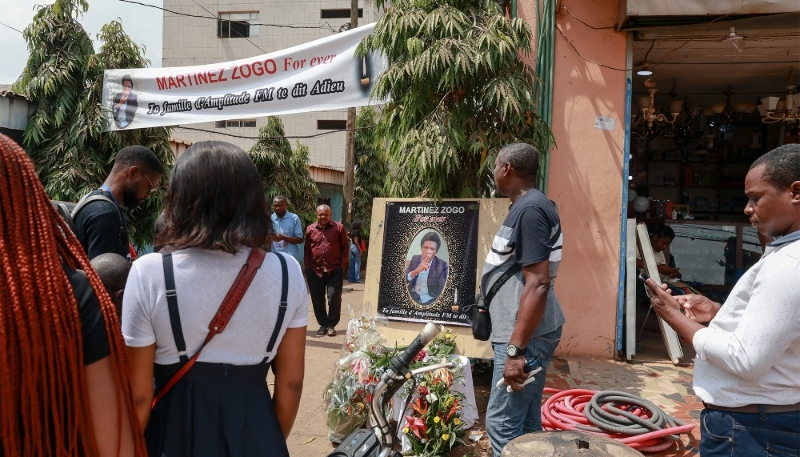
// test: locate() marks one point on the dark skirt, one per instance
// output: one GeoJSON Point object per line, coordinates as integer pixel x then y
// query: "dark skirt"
{"type": "Point", "coordinates": [215, 410]}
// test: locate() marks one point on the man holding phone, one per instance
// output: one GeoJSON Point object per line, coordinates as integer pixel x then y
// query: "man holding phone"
{"type": "Point", "coordinates": [747, 370]}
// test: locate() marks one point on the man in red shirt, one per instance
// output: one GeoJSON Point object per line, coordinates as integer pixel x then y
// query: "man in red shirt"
{"type": "Point", "coordinates": [327, 251]}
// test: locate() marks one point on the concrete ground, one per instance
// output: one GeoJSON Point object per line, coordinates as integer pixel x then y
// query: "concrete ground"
{"type": "Point", "coordinates": [666, 385]}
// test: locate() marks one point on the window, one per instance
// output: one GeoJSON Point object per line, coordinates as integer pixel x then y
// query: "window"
{"type": "Point", "coordinates": [237, 25]}
{"type": "Point", "coordinates": [331, 124]}
{"type": "Point", "coordinates": [236, 123]}
{"type": "Point", "coordinates": [340, 13]}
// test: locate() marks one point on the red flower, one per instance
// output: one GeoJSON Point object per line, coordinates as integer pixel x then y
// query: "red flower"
{"type": "Point", "coordinates": [420, 406]}
{"type": "Point", "coordinates": [452, 411]}
{"type": "Point", "coordinates": [423, 391]}
{"type": "Point", "coordinates": [422, 354]}
{"type": "Point", "coordinates": [417, 426]}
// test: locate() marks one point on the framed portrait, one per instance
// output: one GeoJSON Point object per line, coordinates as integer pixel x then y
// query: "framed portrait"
{"type": "Point", "coordinates": [429, 261]}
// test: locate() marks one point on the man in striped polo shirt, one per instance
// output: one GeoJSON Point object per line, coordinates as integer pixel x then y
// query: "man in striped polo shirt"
{"type": "Point", "coordinates": [525, 313]}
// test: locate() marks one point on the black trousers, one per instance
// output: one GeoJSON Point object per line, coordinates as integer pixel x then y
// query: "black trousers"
{"type": "Point", "coordinates": [326, 288]}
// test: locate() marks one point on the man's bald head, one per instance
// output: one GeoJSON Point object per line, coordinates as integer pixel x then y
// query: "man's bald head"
{"type": "Point", "coordinates": [113, 270]}
{"type": "Point", "coordinates": [323, 215]}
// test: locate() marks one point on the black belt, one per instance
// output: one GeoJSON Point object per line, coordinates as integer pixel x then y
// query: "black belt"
{"type": "Point", "coordinates": [756, 409]}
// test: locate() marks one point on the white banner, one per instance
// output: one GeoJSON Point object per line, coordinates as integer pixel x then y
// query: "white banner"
{"type": "Point", "coordinates": [321, 75]}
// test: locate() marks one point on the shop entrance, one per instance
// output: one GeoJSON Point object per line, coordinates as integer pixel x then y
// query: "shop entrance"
{"type": "Point", "coordinates": [707, 100]}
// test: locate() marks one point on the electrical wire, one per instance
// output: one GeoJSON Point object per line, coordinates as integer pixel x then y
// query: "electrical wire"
{"type": "Point", "coordinates": [583, 22]}
{"type": "Point", "coordinates": [287, 137]}
{"type": "Point", "coordinates": [229, 28]}
{"type": "Point", "coordinates": [12, 28]}
{"type": "Point", "coordinates": [288, 26]}
{"type": "Point", "coordinates": [593, 61]}
{"type": "Point", "coordinates": [652, 44]}
{"type": "Point", "coordinates": [648, 52]}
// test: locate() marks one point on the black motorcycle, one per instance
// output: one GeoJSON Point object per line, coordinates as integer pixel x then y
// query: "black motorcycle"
{"type": "Point", "coordinates": [379, 439]}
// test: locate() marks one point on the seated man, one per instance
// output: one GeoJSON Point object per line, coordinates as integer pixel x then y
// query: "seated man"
{"type": "Point", "coordinates": [660, 239]}
{"type": "Point", "coordinates": [427, 274]}
{"type": "Point", "coordinates": [113, 271]}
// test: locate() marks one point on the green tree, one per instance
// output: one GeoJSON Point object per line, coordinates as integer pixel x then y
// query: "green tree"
{"type": "Point", "coordinates": [64, 78]}
{"type": "Point", "coordinates": [284, 170]}
{"type": "Point", "coordinates": [457, 92]}
{"type": "Point", "coordinates": [371, 167]}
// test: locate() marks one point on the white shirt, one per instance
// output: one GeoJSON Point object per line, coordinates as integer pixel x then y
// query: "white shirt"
{"type": "Point", "coordinates": [202, 279]}
{"type": "Point", "coordinates": [750, 352]}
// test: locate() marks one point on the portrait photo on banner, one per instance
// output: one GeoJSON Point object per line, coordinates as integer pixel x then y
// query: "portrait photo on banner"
{"type": "Point", "coordinates": [429, 261]}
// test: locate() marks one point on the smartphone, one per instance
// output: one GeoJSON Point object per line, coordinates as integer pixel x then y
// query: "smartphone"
{"type": "Point", "coordinates": [643, 276]}
{"type": "Point", "coordinates": [530, 365]}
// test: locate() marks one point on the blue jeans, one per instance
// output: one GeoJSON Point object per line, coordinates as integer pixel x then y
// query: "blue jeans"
{"type": "Point", "coordinates": [354, 275]}
{"type": "Point", "coordinates": [723, 433]}
{"type": "Point", "coordinates": [513, 414]}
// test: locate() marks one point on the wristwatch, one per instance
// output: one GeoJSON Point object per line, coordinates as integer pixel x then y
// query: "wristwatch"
{"type": "Point", "coordinates": [515, 351]}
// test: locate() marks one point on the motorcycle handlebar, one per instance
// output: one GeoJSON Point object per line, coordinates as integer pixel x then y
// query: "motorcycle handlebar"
{"type": "Point", "coordinates": [425, 336]}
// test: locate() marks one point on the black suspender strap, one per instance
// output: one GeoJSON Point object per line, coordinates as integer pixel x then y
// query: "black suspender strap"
{"type": "Point", "coordinates": [172, 304]}
{"type": "Point", "coordinates": [282, 309]}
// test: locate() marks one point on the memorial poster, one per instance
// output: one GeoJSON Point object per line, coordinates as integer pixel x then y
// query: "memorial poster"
{"type": "Point", "coordinates": [429, 261]}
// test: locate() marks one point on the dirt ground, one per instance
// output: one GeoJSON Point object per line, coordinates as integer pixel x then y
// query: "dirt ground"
{"type": "Point", "coordinates": [664, 384]}
{"type": "Point", "coordinates": [309, 435]}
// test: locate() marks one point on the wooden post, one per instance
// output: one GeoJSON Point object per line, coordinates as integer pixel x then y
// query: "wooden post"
{"type": "Point", "coordinates": [349, 153]}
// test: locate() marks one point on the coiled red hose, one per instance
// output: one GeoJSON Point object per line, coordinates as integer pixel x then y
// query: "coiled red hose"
{"type": "Point", "coordinates": [567, 410]}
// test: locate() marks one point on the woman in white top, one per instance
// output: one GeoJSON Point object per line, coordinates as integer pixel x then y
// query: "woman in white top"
{"type": "Point", "coordinates": [215, 214]}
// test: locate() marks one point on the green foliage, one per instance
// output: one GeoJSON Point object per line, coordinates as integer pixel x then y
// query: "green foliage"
{"type": "Point", "coordinates": [371, 168]}
{"type": "Point", "coordinates": [457, 92]}
{"type": "Point", "coordinates": [284, 170]}
{"type": "Point", "coordinates": [64, 78]}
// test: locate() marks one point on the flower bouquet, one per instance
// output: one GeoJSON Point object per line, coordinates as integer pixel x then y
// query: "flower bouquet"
{"type": "Point", "coordinates": [434, 426]}
{"type": "Point", "coordinates": [346, 396]}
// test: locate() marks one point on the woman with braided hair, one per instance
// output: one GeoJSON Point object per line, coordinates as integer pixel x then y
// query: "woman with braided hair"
{"type": "Point", "coordinates": [65, 387]}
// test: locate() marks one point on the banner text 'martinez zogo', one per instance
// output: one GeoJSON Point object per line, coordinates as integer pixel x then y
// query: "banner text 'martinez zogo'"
{"type": "Point", "coordinates": [321, 75]}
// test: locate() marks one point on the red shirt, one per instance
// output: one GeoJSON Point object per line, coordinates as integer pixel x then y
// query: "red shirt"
{"type": "Point", "coordinates": [326, 248]}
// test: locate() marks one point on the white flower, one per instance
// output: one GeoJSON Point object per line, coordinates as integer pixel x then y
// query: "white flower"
{"type": "Point", "coordinates": [431, 397]}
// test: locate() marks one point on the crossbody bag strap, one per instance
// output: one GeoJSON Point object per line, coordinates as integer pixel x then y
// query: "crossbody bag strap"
{"type": "Point", "coordinates": [172, 306]}
{"type": "Point", "coordinates": [511, 271]}
{"type": "Point", "coordinates": [223, 316]}
{"type": "Point", "coordinates": [282, 308]}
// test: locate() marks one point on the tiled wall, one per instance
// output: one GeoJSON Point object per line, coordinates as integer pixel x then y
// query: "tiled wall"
{"type": "Point", "coordinates": [193, 41]}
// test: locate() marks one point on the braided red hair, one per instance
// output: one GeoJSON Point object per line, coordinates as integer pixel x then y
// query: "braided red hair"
{"type": "Point", "coordinates": [43, 398]}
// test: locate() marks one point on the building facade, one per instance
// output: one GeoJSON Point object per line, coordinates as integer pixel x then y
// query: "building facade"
{"type": "Point", "coordinates": [721, 59]}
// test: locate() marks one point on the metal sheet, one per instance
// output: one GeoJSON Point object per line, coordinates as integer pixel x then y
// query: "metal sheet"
{"type": "Point", "coordinates": [630, 291]}
{"type": "Point", "coordinates": [671, 340]}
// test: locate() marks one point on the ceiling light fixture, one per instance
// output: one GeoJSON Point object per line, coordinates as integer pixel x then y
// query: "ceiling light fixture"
{"type": "Point", "coordinates": [645, 70]}
{"type": "Point", "coordinates": [736, 39]}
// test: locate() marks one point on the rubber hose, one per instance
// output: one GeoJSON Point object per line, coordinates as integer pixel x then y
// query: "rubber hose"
{"type": "Point", "coordinates": [602, 412]}
{"type": "Point", "coordinates": [641, 424]}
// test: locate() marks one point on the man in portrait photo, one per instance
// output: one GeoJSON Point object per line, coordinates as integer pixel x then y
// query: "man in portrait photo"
{"type": "Point", "coordinates": [426, 275]}
{"type": "Point", "coordinates": [125, 104]}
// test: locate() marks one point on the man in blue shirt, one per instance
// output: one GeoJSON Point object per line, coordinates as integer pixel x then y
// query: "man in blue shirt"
{"type": "Point", "coordinates": [288, 229]}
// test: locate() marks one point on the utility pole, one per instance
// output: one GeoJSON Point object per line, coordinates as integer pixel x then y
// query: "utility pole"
{"type": "Point", "coordinates": [349, 153]}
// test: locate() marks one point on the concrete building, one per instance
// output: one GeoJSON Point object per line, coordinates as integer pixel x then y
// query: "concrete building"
{"type": "Point", "coordinates": [14, 112]}
{"type": "Point", "coordinates": [235, 29]}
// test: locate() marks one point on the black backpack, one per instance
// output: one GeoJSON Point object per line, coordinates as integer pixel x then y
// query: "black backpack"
{"type": "Point", "coordinates": [69, 211]}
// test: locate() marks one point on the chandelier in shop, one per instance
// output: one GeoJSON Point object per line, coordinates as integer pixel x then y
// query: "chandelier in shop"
{"type": "Point", "coordinates": [649, 113]}
{"type": "Point", "coordinates": [774, 110]}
